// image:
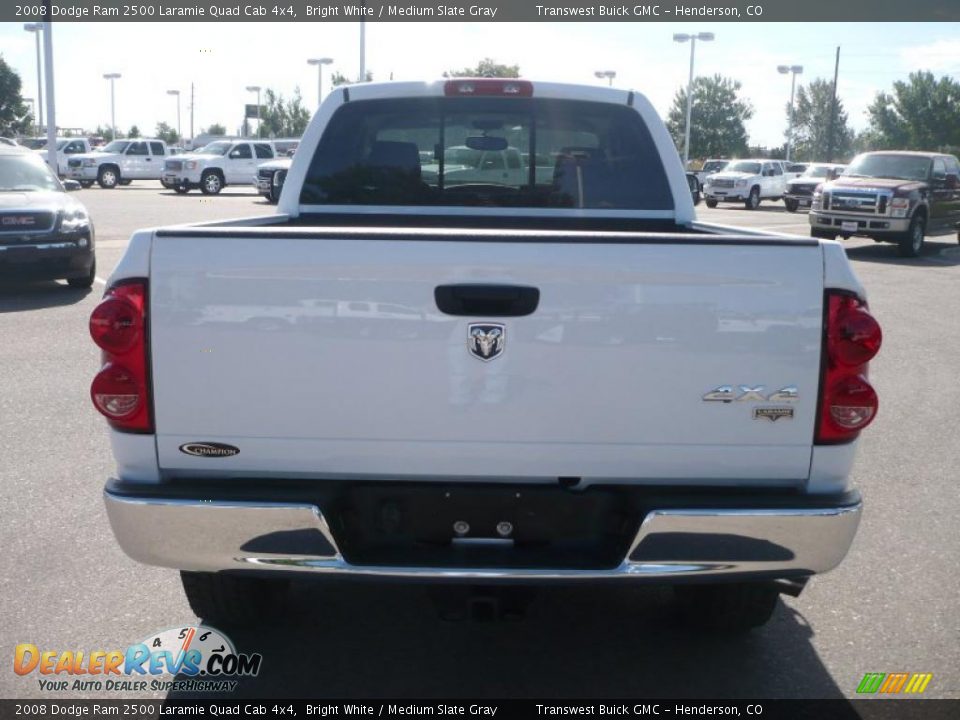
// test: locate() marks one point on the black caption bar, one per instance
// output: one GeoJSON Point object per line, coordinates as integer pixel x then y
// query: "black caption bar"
{"type": "Point", "coordinates": [482, 11]}
{"type": "Point", "coordinates": [505, 709]}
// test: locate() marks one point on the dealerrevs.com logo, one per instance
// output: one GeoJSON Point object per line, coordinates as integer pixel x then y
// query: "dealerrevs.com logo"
{"type": "Point", "coordinates": [202, 658]}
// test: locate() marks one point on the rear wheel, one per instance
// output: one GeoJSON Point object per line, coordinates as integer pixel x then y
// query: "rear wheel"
{"type": "Point", "coordinates": [86, 184]}
{"type": "Point", "coordinates": [181, 189]}
{"type": "Point", "coordinates": [734, 607]}
{"type": "Point", "coordinates": [211, 183]}
{"type": "Point", "coordinates": [108, 177]}
{"type": "Point", "coordinates": [791, 205]}
{"type": "Point", "coordinates": [237, 600]}
{"type": "Point", "coordinates": [911, 243]}
{"type": "Point", "coordinates": [753, 199]}
{"type": "Point", "coordinates": [710, 203]}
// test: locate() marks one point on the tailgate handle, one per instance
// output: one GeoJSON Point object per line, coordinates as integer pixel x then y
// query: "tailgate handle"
{"type": "Point", "coordinates": [487, 300]}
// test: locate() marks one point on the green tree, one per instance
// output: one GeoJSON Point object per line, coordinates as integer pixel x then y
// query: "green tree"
{"type": "Point", "coordinates": [167, 134]}
{"type": "Point", "coordinates": [922, 113]}
{"type": "Point", "coordinates": [488, 67]}
{"type": "Point", "coordinates": [104, 132]}
{"type": "Point", "coordinates": [15, 117]}
{"type": "Point", "coordinates": [811, 124]}
{"type": "Point", "coordinates": [283, 118]}
{"type": "Point", "coordinates": [338, 78]}
{"type": "Point", "coordinates": [134, 132]}
{"type": "Point", "coordinates": [215, 129]}
{"type": "Point", "coordinates": [717, 119]}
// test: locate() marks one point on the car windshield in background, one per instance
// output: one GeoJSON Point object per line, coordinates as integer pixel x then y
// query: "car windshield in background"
{"type": "Point", "coordinates": [750, 168]}
{"type": "Point", "coordinates": [817, 171]}
{"type": "Point", "coordinates": [501, 152]}
{"type": "Point", "coordinates": [117, 146]}
{"type": "Point", "coordinates": [23, 173]}
{"type": "Point", "coordinates": [715, 166]}
{"type": "Point", "coordinates": [894, 167]}
{"type": "Point", "coordinates": [217, 148]}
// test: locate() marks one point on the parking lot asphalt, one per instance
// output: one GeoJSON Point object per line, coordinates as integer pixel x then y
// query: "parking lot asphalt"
{"type": "Point", "coordinates": [890, 607]}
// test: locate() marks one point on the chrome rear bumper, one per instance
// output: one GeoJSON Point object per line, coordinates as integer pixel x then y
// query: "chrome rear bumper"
{"type": "Point", "coordinates": [239, 535]}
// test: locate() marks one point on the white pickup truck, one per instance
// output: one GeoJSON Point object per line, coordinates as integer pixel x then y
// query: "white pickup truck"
{"type": "Point", "coordinates": [67, 148]}
{"type": "Point", "coordinates": [213, 167]}
{"type": "Point", "coordinates": [747, 181]}
{"type": "Point", "coordinates": [119, 163]}
{"type": "Point", "coordinates": [521, 380]}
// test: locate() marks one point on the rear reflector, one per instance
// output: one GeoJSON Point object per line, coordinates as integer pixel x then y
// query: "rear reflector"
{"type": "Point", "coordinates": [121, 390]}
{"type": "Point", "coordinates": [851, 336]}
{"type": "Point", "coordinates": [488, 87]}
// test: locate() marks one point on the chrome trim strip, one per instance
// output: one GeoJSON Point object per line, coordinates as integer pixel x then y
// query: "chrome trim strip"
{"type": "Point", "coordinates": [42, 246]}
{"type": "Point", "coordinates": [211, 536]}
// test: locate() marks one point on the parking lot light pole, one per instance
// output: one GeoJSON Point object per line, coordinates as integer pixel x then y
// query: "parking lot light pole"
{"type": "Point", "coordinates": [608, 74]}
{"type": "Point", "coordinates": [37, 28]}
{"type": "Point", "coordinates": [256, 89]}
{"type": "Point", "coordinates": [794, 70]}
{"type": "Point", "coordinates": [319, 62]}
{"type": "Point", "coordinates": [177, 93]}
{"type": "Point", "coordinates": [681, 38]}
{"type": "Point", "coordinates": [33, 110]}
{"type": "Point", "coordinates": [112, 77]}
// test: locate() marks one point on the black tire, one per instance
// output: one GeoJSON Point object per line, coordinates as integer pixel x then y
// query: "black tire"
{"type": "Point", "coordinates": [822, 234]}
{"type": "Point", "coordinates": [696, 198]}
{"type": "Point", "coordinates": [125, 182]}
{"type": "Point", "coordinates": [87, 280]}
{"type": "Point", "coordinates": [181, 189]}
{"type": "Point", "coordinates": [232, 599]}
{"type": "Point", "coordinates": [710, 203]}
{"type": "Point", "coordinates": [86, 184]}
{"type": "Point", "coordinates": [791, 205]}
{"type": "Point", "coordinates": [108, 177]}
{"type": "Point", "coordinates": [273, 196]}
{"type": "Point", "coordinates": [911, 242]}
{"type": "Point", "coordinates": [753, 199]}
{"type": "Point", "coordinates": [734, 607]}
{"type": "Point", "coordinates": [211, 182]}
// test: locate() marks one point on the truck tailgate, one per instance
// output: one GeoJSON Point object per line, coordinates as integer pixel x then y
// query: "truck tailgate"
{"type": "Point", "coordinates": [328, 357]}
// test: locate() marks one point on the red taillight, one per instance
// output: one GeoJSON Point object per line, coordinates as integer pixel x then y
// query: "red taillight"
{"type": "Point", "coordinates": [852, 337]}
{"type": "Point", "coordinates": [118, 326]}
{"type": "Point", "coordinates": [487, 87]}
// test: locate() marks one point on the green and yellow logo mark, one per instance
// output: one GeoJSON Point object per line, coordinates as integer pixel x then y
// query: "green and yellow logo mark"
{"type": "Point", "coordinates": [892, 683]}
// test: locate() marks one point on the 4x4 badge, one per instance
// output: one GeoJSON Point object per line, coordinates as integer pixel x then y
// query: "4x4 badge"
{"type": "Point", "coordinates": [485, 341]}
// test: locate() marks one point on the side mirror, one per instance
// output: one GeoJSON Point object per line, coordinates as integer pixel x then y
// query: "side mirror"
{"type": "Point", "coordinates": [70, 185]}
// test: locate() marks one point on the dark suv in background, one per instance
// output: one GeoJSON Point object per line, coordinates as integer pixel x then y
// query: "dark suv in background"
{"type": "Point", "coordinates": [897, 197]}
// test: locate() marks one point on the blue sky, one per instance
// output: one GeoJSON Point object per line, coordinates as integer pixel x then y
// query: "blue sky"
{"type": "Point", "coordinates": [223, 58]}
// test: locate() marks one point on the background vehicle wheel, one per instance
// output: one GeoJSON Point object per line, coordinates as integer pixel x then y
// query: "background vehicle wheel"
{"type": "Point", "coordinates": [734, 607]}
{"type": "Point", "coordinates": [791, 205]}
{"type": "Point", "coordinates": [211, 183]}
{"type": "Point", "coordinates": [108, 177]}
{"type": "Point", "coordinates": [273, 195]}
{"type": "Point", "coordinates": [218, 597]}
{"type": "Point", "coordinates": [710, 203]}
{"type": "Point", "coordinates": [181, 189]}
{"type": "Point", "coordinates": [86, 184]}
{"type": "Point", "coordinates": [753, 199]}
{"type": "Point", "coordinates": [87, 280]}
{"type": "Point", "coordinates": [696, 198]}
{"type": "Point", "coordinates": [125, 182]}
{"type": "Point", "coordinates": [822, 234]}
{"type": "Point", "coordinates": [911, 243]}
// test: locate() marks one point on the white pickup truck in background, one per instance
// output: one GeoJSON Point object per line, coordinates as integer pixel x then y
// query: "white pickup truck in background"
{"type": "Point", "coordinates": [747, 181]}
{"type": "Point", "coordinates": [66, 148]}
{"type": "Point", "coordinates": [556, 375]}
{"type": "Point", "coordinates": [213, 167]}
{"type": "Point", "coordinates": [119, 163]}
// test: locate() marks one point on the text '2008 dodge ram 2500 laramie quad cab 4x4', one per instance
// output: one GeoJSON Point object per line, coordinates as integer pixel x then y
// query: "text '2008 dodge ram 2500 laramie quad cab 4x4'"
{"type": "Point", "coordinates": [550, 376]}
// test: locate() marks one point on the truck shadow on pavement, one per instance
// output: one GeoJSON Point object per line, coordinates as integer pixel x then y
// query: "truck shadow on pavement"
{"type": "Point", "coordinates": [943, 251]}
{"type": "Point", "coordinates": [368, 640]}
{"type": "Point", "coordinates": [21, 296]}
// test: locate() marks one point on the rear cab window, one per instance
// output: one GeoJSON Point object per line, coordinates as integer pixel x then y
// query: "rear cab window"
{"type": "Point", "coordinates": [156, 148]}
{"type": "Point", "coordinates": [501, 152]}
{"type": "Point", "coordinates": [263, 151]}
